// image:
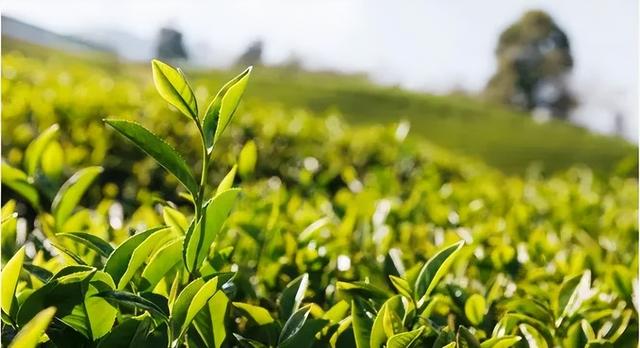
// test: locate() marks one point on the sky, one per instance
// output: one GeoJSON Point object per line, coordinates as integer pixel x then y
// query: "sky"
{"type": "Point", "coordinates": [428, 45]}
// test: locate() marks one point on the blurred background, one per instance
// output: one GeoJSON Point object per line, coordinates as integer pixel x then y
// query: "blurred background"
{"type": "Point", "coordinates": [512, 83]}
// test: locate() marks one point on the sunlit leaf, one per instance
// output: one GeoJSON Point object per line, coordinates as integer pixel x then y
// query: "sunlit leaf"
{"type": "Point", "coordinates": [10, 276]}
{"type": "Point", "coordinates": [174, 88]}
{"type": "Point", "coordinates": [362, 321]}
{"type": "Point", "coordinates": [198, 240]}
{"type": "Point", "coordinates": [34, 151]}
{"type": "Point", "coordinates": [95, 243]}
{"type": "Point", "coordinates": [19, 182]}
{"type": "Point", "coordinates": [292, 295]}
{"type": "Point", "coordinates": [222, 107]}
{"type": "Point", "coordinates": [161, 263]}
{"type": "Point", "coordinates": [405, 339]}
{"type": "Point", "coordinates": [118, 261]}
{"type": "Point", "coordinates": [475, 308]}
{"type": "Point", "coordinates": [71, 192]}
{"type": "Point", "coordinates": [30, 335]}
{"type": "Point", "coordinates": [435, 269]}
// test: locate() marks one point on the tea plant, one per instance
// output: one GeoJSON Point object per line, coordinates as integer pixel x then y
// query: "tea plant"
{"type": "Point", "coordinates": [319, 256]}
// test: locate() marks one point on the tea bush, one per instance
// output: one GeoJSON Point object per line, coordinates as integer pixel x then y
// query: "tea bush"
{"type": "Point", "coordinates": [337, 236]}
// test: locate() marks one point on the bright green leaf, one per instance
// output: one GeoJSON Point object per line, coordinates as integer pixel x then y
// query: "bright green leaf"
{"type": "Point", "coordinates": [174, 88]}
{"type": "Point", "coordinates": [175, 219]}
{"type": "Point", "coordinates": [70, 194]}
{"type": "Point", "coordinates": [532, 336]}
{"type": "Point", "coordinates": [435, 269]}
{"type": "Point", "coordinates": [160, 264]}
{"type": "Point", "coordinates": [257, 314]}
{"type": "Point", "coordinates": [91, 241]}
{"type": "Point", "coordinates": [30, 335]}
{"type": "Point", "coordinates": [18, 181]}
{"type": "Point", "coordinates": [405, 339]}
{"type": "Point", "coordinates": [247, 159]}
{"type": "Point", "coordinates": [221, 110]}
{"type": "Point", "coordinates": [33, 153]}
{"type": "Point", "coordinates": [198, 240]}
{"type": "Point", "coordinates": [118, 261]}
{"type": "Point", "coordinates": [475, 308]}
{"type": "Point", "coordinates": [10, 276]}
{"type": "Point", "coordinates": [227, 181]}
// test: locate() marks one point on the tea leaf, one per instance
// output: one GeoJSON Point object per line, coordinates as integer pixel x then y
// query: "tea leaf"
{"type": "Point", "coordinates": [118, 261]}
{"type": "Point", "coordinates": [380, 334]}
{"type": "Point", "coordinates": [30, 335]}
{"type": "Point", "coordinates": [198, 239]}
{"type": "Point", "coordinates": [10, 276]}
{"type": "Point", "coordinates": [405, 339]}
{"type": "Point", "coordinates": [74, 295]}
{"type": "Point", "coordinates": [227, 181]}
{"type": "Point", "coordinates": [19, 182]}
{"type": "Point", "coordinates": [70, 194]}
{"type": "Point", "coordinates": [257, 314]}
{"type": "Point", "coordinates": [140, 254]}
{"type": "Point", "coordinates": [91, 241]}
{"type": "Point", "coordinates": [532, 336]}
{"type": "Point", "coordinates": [161, 263]}
{"type": "Point", "coordinates": [175, 219]}
{"type": "Point", "coordinates": [293, 295]}
{"type": "Point", "coordinates": [190, 301]}
{"type": "Point", "coordinates": [222, 107]}
{"type": "Point", "coordinates": [501, 342]}
{"type": "Point", "coordinates": [362, 322]}
{"type": "Point", "coordinates": [299, 330]}
{"type": "Point", "coordinates": [33, 153]}
{"type": "Point", "coordinates": [159, 150]}
{"type": "Point", "coordinates": [435, 269]}
{"type": "Point", "coordinates": [133, 300]}
{"type": "Point", "coordinates": [248, 158]}
{"type": "Point", "coordinates": [174, 88]}
{"type": "Point", "coordinates": [475, 308]}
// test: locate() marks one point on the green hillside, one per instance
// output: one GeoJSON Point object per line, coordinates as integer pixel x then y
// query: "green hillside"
{"type": "Point", "coordinates": [506, 139]}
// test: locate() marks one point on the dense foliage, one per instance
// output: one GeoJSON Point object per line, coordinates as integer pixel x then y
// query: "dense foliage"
{"type": "Point", "coordinates": [339, 236]}
{"type": "Point", "coordinates": [43, 86]}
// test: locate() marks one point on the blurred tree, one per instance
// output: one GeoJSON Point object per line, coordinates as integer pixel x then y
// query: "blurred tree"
{"type": "Point", "coordinates": [170, 45]}
{"type": "Point", "coordinates": [252, 56]}
{"type": "Point", "coordinates": [533, 60]}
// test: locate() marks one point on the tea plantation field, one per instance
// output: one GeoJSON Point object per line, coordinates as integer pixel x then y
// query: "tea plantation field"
{"type": "Point", "coordinates": [286, 223]}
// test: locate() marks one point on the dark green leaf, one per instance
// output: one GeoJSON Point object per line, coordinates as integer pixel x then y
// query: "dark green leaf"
{"type": "Point", "coordinates": [41, 273]}
{"type": "Point", "coordinates": [362, 321]}
{"type": "Point", "coordinates": [465, 339]}
{"type": "Point", "coordinates": [162, 152]}
{"type": "Point", "coordinates": [292, 296]}
{"type": "Point", "coordinates": [132, 300]}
